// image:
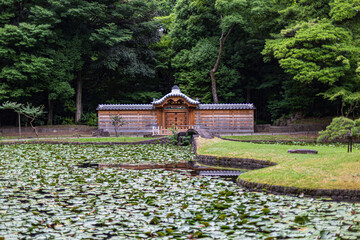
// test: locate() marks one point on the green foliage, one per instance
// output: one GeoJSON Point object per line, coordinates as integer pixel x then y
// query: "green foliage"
{"type": "Point", "coordinates": [47, 46]}
{"type": "Point", "coordinates": [117, 121]}
{"type": "Point", "coordinates": [319, 46]}
{"type": "Point", "coordinates": [90, 119]}
{"type": "Point", "coordinates": [301, 219]}
{"type": "Point", "coordinates": [133, 51]}
{"type": "Point", "coordinates": [174, 135]}
{"type": "Point", "coordinates": [29, 111]}
{"type": "Point", "coordinates": [344, 9]}
{"type": "Point", "coordinates": [339, 128]}
{"type": "Point", "coordinates": [151, 201]}
{"type": "Point", "coordinates": [315, 52]}
{"type": "Point", "coordinates": [68, 121]}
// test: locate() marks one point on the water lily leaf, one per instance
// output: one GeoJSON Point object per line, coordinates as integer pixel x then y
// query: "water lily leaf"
{"type": "Point", "coordinates": [301, 219]}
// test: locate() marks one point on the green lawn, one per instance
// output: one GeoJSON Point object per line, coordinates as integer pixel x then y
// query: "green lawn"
{"type": "Point", "coordinates": [279, 137]}
{"type": "Point", "coordinates": [89, 139]}
{"type": "Point", "coordinates": [106, 139]}
{"type": "Point", "coordinates": [331, 168]}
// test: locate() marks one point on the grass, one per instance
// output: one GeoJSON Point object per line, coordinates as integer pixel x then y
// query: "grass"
{"type": "Point", "coordinates": [331, 168]}
{"type": "Point", "coordinates": [93, 139]}
{"type": "Point", "coordinates": [105, 139]}
{"type": "Point", "coordinates": [278, 137]}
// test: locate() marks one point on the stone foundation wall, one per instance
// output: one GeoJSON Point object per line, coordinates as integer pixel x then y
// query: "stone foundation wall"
{"type": "Point", "coordinates": [267, 128]}
{"type": "Point", "coordinates": [335, 194]}
{"type": "Point", "coordinates": [243, 163]}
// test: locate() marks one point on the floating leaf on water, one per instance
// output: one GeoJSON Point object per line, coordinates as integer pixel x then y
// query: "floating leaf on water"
{"type": "Point", "coordinates": [155, 221]}
{"type": "Point", "coordinates": [301, 219]}
{"type": "Point", "coordinates": [266, 210]}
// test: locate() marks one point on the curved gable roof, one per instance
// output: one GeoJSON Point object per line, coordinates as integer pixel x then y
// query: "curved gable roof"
{"type": "Point", "coordinates": [175, 92]}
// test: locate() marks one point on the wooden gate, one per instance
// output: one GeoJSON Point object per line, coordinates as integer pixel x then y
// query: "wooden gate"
{"type": "Point", "coordinates": [175, 118]}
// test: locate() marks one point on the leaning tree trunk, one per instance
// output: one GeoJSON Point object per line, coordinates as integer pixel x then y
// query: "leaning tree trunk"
{"type": "Point", "coordinates": [216, 65]}
{"type": "Point", "coordinates": [79, 109]}
{"type": "Point", "coordinates": [31, 124]}
{"type": "Point", "coordinates": [34, 128]}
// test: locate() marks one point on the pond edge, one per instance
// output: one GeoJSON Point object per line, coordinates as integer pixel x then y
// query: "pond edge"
{"type": "Point", "coordinates": [352, 195]}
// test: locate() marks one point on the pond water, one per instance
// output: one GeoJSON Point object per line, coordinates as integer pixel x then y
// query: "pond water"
{"type": "Point", "coordinates": [45, 196]}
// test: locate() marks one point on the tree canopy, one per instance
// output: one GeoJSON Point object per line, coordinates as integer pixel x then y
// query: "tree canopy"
{"type": "Point", "coordinates": [287, 57]}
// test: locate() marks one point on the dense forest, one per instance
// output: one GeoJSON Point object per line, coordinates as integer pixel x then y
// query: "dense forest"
{"type": "Point", "coordinates": [288, 57]}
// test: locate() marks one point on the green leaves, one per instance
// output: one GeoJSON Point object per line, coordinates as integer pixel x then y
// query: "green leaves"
{"type": "Point", "coordinates": [344, 9]}
{"type": "Point", "coordinates": [339, 128]}
{"type": "Point", "coordinates": [312, 51]}
{"type": "Point", "coordinates": [301, 219]}
{"type": "Point", "coordinates": [319, 47]}
{"type": "Point", "coordinates": [43, 193]}
{"type": "Point", "coordinates": [111, 35]}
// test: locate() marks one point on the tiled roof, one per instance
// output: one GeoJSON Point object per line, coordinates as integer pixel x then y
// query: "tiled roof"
{"type": "Point", "coordinates": [175, 92]}
{"type": "Point", "coordinates": [125, 107]}
{"type": "Point", "coordinates": [226, 106]}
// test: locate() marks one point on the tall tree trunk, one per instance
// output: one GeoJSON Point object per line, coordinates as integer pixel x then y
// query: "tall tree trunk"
{"type": "Point", "coordinates": [19, 118]}
{"type": "Point", "coordinates": [79, 108]}
{"type": "Point", "coordinates": [216, 65]}
{"type": "Point", "coordinates": [51, 111]}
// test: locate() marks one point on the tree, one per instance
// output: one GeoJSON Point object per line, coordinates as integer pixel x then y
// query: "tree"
{"type": "Point", "coordinates": [58, 49]}
{"type": "Point", "coordinates": [231, 14]}
{"type": "Point", "coordinates": [194, 38]}
{"type": "Point", "coordinates": [117, 121]}
{"type": "Point", "coordinates": [321, 45]}
{"type": "Point", "coordinates": [240, 74]}
{"type": "Point", "coordinates": [29, 111]}
{"type": "Point", "coordinates": [341, 128]}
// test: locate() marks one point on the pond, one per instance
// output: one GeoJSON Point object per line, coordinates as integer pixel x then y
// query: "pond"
{"type": "Point", "coordinates": [44, 195]}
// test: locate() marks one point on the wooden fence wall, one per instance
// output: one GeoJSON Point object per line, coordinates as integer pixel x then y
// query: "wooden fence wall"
{"type": "Point", "coordinates": [226, 121]}
{"type": "Point", "coordinates": [216, 121]}
{"type": "Point", "coordinates": [136, 122]}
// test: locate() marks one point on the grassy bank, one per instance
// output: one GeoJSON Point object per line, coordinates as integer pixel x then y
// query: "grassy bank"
{"type": "Point", "coordinates": [89, 139]}
{"type": "Point", "coordinates": [105, 139]}
{"type": "Point", "coordinates": [331, 168]}
{"type": "Point", "coordinates": [278, 137]}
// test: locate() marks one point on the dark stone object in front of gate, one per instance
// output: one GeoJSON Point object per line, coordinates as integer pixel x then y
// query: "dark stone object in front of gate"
{"type": "Point", "coordinates": [101, 133]}
{"type": "Point", "coordinates": [303, 151]}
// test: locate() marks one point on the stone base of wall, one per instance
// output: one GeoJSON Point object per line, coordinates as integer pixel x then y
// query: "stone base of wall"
{"type": "Point", "coordinates": [241, 163]}
{"type": "Point", "coordinates": [335, 194]}
{"type": "Point", "coordinates": [267, 128]}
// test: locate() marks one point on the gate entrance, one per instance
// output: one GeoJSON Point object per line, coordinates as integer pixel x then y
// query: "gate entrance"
{"type": "Point", "coordinates": [175, 118]}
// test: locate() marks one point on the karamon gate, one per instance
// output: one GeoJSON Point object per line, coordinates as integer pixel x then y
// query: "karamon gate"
{"type": "Point", "coordinates": [175, 109]}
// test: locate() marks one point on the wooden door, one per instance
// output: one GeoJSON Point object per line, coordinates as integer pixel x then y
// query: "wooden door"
{"type": "Point", "coordinates": [175, 118]}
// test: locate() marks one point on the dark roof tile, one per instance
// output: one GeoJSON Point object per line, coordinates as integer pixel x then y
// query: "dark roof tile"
{"type": "Point", "coordinates": [226, 106]}
{"type": "Point", "coordinates": [104, 107]}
